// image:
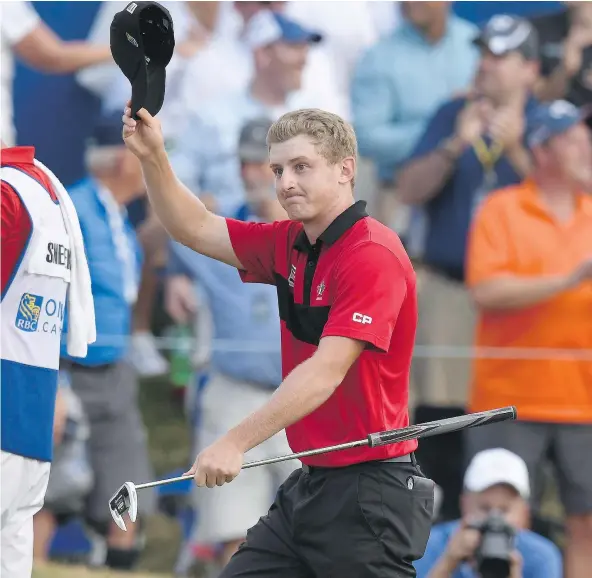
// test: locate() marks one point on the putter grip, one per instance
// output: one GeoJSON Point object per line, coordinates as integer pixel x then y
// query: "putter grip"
{"type": "Point", "coordinates": [442, 426]}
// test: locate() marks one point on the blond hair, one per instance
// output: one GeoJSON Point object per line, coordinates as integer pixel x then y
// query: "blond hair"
{"type": "Point", "coordinates": [334, 138]}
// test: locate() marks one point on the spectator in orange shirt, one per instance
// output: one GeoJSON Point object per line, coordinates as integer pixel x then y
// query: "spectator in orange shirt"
{"type": "Point", "coordinates": [529, 268]}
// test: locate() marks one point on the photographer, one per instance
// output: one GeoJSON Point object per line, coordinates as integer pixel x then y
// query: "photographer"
{"type": "Point", "coordinates": [491, 539]}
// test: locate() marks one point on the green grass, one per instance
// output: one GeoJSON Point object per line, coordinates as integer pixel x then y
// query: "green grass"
{"type": "Point", "coordinates": [169, 439]}
{"type": "Point", "coordinates": [168, 431]}
{"type": "Point", "coordinates": [61, 571]}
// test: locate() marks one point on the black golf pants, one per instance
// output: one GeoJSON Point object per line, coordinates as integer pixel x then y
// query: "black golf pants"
{"type": "Point", "coordinates": [368, 520]}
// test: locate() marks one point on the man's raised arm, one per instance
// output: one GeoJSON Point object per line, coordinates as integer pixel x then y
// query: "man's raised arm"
{"type": "Point", "coordinates": [183, 215]}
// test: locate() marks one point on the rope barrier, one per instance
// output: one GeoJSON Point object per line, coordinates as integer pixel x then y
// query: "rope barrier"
{"type": "Point", "coordinates": [421, 351]}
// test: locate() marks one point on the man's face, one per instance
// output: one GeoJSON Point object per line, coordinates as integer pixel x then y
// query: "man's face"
{"type": "Point", "coordinates": [286, 64]}
{"type": "Point", "coordinates": [305, 183]}
{"type": "Point", "coordinates": [423, 14]}
{"type": "Point", "coordinates": [570, 154]}
{"type": "Point", "coordinates": [478, 506]}
{"type": "Point", "coordinates": [502, 77]}
{"type": "Point", "coordinates": [259, 181]}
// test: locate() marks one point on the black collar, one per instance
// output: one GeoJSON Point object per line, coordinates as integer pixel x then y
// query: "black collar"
{"type": "Point", "coordinates": [338, 227]}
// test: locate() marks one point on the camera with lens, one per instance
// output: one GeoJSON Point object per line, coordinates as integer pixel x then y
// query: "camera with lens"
{"type": "Point", "coordinates": [493, 555]}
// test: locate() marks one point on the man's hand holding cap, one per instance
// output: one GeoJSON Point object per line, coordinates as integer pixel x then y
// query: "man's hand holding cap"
{"type": "Point", "coordinates": [142, 45]}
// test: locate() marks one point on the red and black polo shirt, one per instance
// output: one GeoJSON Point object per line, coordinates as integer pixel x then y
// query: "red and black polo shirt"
{"type": "Point", "coordinates": [356, 281]}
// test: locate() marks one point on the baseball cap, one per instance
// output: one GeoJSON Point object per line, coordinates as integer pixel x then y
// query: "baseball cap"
{"type": "Point", "coordinates": [551, 119]}
{"type": "Point", "coordinates": [267, 27]}
{"type": "Point", "coordinates": [106, 131]}
{"type": "Point", "coordinates": [497, 466]}
{"type": "Point", "coordinates": [252, 142]}
{"type": "Point", "coordinates": [504, 34]}
{"type": "Point", "coordinates": [142, 44]}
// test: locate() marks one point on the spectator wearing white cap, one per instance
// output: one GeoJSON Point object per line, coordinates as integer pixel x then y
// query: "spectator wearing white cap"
{"type": "Point", "coordinates": [496, 483]}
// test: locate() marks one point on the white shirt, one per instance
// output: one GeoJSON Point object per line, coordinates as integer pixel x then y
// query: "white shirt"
{"type": "Point", "coordinates": [386, 15]}
{"type": "Point", "coordinates": [108, 82]}
{"type": "Point", "coordinates": [348, 28]}
{"type": "Point", "coordinates": [225, 67]}
{"type": "Point", "coordinates": [222, 67]}
{"type": "Point", "coordinates": [17, 20]}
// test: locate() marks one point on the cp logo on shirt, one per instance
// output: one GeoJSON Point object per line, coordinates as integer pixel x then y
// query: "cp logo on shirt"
{"type": "Point", "coordinates": [363, 319]}
{"type": "Point", "coordinates": [28, 312]}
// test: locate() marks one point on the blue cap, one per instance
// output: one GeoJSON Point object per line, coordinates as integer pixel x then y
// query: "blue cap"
{"type": "Point", "coordinates": [552, 119]}
{"type": "Point", "coordinates": [294, 33]}
{"type": "Point", "coordinates": [107, 130]}
{"type": "Point", "coordinates": [267, 27]}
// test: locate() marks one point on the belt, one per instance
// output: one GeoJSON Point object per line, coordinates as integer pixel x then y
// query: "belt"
{"type": "Point", "coordinates": [406, 459]}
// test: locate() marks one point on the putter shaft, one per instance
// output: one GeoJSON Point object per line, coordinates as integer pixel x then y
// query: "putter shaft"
{"type": "Point", "coordinates": [428, 429]}
{"type": "Point", "coordinates": [265, 462]}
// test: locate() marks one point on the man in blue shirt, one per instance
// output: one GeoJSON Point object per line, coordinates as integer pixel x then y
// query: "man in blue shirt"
{"type": "Point", "coordinates": [471, 146]}
{"type": "Point", "coordinates": [245, 365]}
{"type": "Point", "coordinates": [400, 82]}
{"type": "Point", "coordinates": [496, 483]}
{"type": "Point", "coordinates": [106, 385]}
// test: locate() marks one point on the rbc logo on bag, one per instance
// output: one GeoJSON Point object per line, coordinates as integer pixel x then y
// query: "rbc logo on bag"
{"type": "Point", "coordinates": [28, 313]}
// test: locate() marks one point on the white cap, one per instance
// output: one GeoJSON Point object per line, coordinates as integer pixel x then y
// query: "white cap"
{"type": "Point", "coordinates": [497, 466]}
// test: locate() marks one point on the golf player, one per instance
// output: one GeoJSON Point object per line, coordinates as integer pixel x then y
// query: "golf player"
{"type": "Point", "coordinates": [43, 263]}
{"type": "Point", "coordinates": [347, 300]}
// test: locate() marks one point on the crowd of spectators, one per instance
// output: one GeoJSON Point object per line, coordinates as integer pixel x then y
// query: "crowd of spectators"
{"type": "Point", "coordinates": [474, 146]}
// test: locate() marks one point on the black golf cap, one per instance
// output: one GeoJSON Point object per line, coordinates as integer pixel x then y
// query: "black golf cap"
{"type": "Point", "coordinates": [142, 44]}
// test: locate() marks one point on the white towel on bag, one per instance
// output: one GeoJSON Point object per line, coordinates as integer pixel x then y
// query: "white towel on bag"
{"type": "Point", "coordinates": [81, 309]}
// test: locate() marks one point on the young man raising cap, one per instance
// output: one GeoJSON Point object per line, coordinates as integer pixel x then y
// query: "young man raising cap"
{"type": "Point", "coordinates": [347, 300]}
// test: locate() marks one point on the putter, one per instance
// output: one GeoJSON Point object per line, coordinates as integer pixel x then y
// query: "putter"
{"type": "Point", "coordinates": [126, 498]}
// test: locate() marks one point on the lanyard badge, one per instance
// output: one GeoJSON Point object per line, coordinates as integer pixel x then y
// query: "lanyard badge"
{"type": "Point", "coordinates": [488, 156]}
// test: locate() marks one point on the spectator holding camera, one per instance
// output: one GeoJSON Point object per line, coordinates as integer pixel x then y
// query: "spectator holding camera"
{"type": "Point", "coordinates": [491, 540]}
{"type": "Point", "coordinates": [566, 54]}
{"type": "Point", "coordinates": [529, 268]}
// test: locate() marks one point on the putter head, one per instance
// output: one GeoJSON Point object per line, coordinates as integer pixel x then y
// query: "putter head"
{"type": "Point", "coordinates": [124, 500]}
